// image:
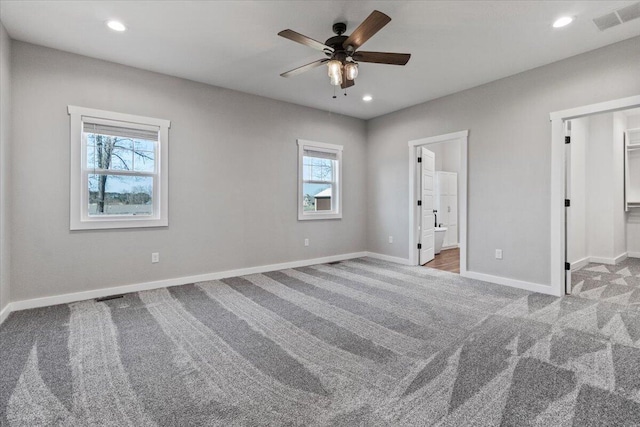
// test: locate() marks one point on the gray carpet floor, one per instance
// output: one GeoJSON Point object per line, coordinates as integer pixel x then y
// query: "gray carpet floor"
{"type": "Point", "coordinates": [357, 343]}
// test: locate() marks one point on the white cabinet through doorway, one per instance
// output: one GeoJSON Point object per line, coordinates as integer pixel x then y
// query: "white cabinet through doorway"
{"type": "Point", "coordinates": [446, 203]}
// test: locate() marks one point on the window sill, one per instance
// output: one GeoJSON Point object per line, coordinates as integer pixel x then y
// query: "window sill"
{"type": "Point", "coordinates": [109, 223]}
{"type": "Point", "coordinates": [314, 216]}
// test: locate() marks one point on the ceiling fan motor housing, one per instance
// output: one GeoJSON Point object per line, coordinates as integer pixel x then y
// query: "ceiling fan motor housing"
{"type": "Point", "coordinates": [339, 28]}
{"type": "Point", "coordinates": [339, 52]}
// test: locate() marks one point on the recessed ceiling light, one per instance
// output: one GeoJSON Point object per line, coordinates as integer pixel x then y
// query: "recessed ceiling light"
{"type": "Point", "coordinates": [367, 98]}
{"type": "Point", "coordinates": [116, 25]}
{"type": "Point", "coordinates": [561, 22]}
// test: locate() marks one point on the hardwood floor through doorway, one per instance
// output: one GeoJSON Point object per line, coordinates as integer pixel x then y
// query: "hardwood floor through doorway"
{"type": "Point", "coordinates": [446, 260]}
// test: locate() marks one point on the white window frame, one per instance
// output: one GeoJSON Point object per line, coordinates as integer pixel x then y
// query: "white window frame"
{"type": "Point", "coordinates": [79, 218]}
{"type": "Point", "coordinates": [336, 212]}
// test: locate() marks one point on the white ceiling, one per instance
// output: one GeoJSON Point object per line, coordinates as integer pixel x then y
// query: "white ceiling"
{"type": "Point", "coordinates": [455, 45]}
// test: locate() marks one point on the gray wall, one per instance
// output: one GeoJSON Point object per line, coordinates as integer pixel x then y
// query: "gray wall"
{"type": "Point", "coordinates": [232, 191]}
{"type": "Point", "coordinates": [509, 157]}
{"type": "Point", "coordinates": [5, 135]}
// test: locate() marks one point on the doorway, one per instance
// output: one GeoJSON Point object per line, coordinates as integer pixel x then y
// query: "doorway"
{"type": "Point", "coordinates": [603, 182]}
{"type": "Point", "coordinates": [561, 190]}
{"type": "Point", "coordinates": [434, 188]}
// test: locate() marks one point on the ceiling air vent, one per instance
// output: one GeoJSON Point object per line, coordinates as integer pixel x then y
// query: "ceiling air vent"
{"type": "Point", "coordinates": [607, 21]}
{"type": "Point", "coordinates": [617, 17]}
{"type": "Point", "coordinates": [629, 13]}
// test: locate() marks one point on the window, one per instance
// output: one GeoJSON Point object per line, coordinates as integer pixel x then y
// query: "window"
{"type": "Point", "coordinates": [119, 170]}
{"type": "Point", "coordinates": [319, 180]}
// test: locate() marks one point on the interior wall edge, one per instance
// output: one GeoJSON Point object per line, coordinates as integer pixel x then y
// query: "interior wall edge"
{"type": "Point", "coordinates": [6, 135]}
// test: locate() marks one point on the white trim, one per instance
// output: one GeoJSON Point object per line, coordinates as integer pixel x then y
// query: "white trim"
{"type": "Point", "coordinates": [123, 117]}
{"type": "Point", "coordinates": [577, 265]}
{"type": "Point", "coordinates": [79, 218]}
{"type": "Point", "coordinates": [463, 137]}
{"type": "Point", "coordinates": [439, 138]}
{"type": "Point", "coordinates": [336, 184]}
{"type": "Point", "coordinates": [383, 257]}
{"type": "Point", "coordinates": [330, 148]}
{"type": "Point", "coordinates": [609, 261]}
{"type": "Point", "coordinates": [601, 107]}
{"type": "Point", "coordinates": [633, 254]}
{"type": "Point", "coordinates": [4, 313]}
{"type": "Point", "coordinates": [558, 172]}
{"type": "Point", "coordinates": [98, 293]}
{"type": "Point", "coordinates": [514, 283]}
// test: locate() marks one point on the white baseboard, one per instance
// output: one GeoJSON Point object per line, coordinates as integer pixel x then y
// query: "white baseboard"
{"type": "Point", "coordinates": [397, 260]}
{"type": "Point", "coordinates": [633, 254]}
{"type": "Point", "coordinates": [104, 292]}
{"type": "Point", "coordinates": [609, 261]}
{"type": "Point", "coordinates": [4, 313]}
{"type": "Point", "coordinates": [576, 265]}
{"type": "Point", "coordinates": [520, 284]}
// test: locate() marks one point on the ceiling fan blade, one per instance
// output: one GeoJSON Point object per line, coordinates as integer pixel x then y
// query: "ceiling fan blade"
{"type": "Point", "coordinates": [307, 41]}
{"type": "Point", "coordinates": [347, 83]}
{"type": "Point", "coordinates": [367, 29]}
{"type": "Point", "coordinates": [382, 57]}
{"type": "Point", "coordinates": [304, 68]}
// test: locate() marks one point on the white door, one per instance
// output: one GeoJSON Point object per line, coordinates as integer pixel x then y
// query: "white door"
{"type": "Point", "coordinates": [452, 210]}
{"type": "Point", "coordinates": [427, 169]}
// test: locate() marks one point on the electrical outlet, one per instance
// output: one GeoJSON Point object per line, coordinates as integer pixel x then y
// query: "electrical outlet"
{"type": "Point", "coordinates": [155, 257]}
{"type": "Point", "coordinates": [306, 242]}
{"type": "Point", "coordinates": [390, 239]}
{"type": "Point", "coordinates": [498, 253]}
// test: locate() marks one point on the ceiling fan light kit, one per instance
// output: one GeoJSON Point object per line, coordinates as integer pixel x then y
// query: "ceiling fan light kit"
{"type": "Point", "coordinates": [342, 51]}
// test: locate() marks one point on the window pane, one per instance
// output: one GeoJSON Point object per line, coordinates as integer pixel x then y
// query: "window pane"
{"type": "Point", "coordinates": [144, 145]}
{"type": "Point", "coordinates": [144, 161]}
{"type": "Point", "coordinates": [120, 195]}
{"type": "Point", "coordinates": [91, 157]}
{"type": "Point", "coordinates": [317, 197]}
{"type": "Point", "coordinates": [118, 158]}
{"type": "Point", "coordinates": [118, 153]}
{"type": "Point", "coordinates": [317, 169]}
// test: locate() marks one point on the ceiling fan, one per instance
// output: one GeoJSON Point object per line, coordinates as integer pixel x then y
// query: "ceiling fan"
{"type": "Point", "coordinates": [342, 51]}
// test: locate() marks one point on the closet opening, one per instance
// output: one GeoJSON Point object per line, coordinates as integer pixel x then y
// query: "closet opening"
{"type": "Point", "coordinates": [603, 212]}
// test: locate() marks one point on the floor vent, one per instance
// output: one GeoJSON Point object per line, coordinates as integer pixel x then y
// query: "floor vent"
{"type": "Point", "coordinates": [108, 298]}
{"type": "Point", "coordinates": [617, 17]}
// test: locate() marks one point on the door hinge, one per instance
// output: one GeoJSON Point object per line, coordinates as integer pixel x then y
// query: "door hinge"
{"type": "Point", "coordinates": [567, 203]}
{"type": "Point", "coordinates": [419, 202]}
{"type": "Point", "coordinates": [419, 245]}
{"type": "Point", "coordinates": [419, 159]}
{"type": "Point", "coordinates": [567, 266]}
{"type": "Point", "coordinates": [567, 140]}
